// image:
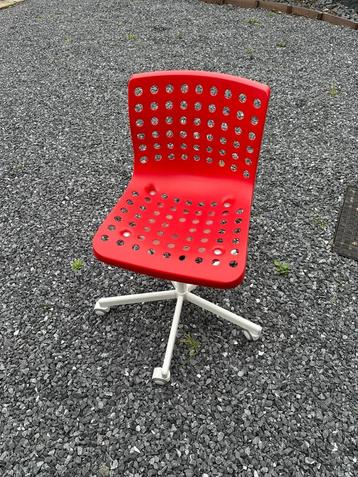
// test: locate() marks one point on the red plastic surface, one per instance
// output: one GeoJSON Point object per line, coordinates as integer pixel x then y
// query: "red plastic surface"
{"type": "Point", "coordinates": [185, 213]}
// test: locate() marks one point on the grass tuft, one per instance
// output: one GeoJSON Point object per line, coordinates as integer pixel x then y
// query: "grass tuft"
{"type": "Point", "coordinates": [77, 264]}
{"type": "Point", "coordinates": [192, 344]}
{"type": "Point", "coordinates": [333, 90]}
{"type": "Point", "coordinates": [282, 268]}
{"type": "Point", "coordinates": [253, 22]}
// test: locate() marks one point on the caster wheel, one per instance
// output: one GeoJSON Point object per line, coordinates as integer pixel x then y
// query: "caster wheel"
{"type": "Point", "coordinates": [158, 377]}
{"type": "Point", "coordinates": [250, 336]}
{"type": "Point", "coordinates": [101, 311]}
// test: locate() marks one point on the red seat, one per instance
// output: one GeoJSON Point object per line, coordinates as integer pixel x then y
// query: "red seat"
{"type": "Point", "coordinates": [185, 214]}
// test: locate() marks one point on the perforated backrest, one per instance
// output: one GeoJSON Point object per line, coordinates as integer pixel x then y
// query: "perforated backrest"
{"type": "Point", "coordinates": [195, 122]}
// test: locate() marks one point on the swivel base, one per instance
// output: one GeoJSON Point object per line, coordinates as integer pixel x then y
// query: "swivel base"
{"type": "Point", "coordinates": [181, 293]}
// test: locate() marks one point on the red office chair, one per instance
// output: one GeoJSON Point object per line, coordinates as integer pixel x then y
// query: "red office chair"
{"type": "Point", "coordinates": [185, 213]}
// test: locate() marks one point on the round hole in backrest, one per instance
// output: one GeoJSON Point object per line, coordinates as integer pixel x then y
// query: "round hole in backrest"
{"type": "Point", "coordinates": [226, 110]}
{"type": "Point", "coordinates": [184, 88]}
{"type": "Point", "coordinates": [242, 98]}
{"type": "Point", "coordinates": [240, 115]}
{"type": "Point", "coordinates": [138, 108]}
{"type": "Point", "coordinates": [199, 89]}
{"type": "Point", "coordinates": [257, 103]}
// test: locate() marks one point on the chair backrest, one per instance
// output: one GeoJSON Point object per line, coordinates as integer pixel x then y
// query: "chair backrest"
{"type": "Point", "coordinates": [194, 122]}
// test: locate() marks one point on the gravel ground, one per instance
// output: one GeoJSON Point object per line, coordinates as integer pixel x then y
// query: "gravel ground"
{"type": "Point", "coordinates": [76, 391]}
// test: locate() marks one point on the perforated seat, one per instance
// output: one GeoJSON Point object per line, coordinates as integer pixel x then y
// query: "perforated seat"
{"type": "Point", "coordinates": [185, 214]}
{"type": "Point", "coordinates": [195, 237]}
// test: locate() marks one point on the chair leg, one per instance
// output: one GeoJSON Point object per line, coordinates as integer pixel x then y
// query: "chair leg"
{"type": "Point", "coordinates": [162, 375]}
{"type": "Point", "coordinates": [103, 305]}
{"type": "Point", "coordinates": [250, 330]}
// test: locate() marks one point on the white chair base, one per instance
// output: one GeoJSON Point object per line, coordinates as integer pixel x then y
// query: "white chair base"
{"type": "Point", "coordinates": [181, 293]}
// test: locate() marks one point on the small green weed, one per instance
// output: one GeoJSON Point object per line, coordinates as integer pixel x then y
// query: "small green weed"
{"type": "Point", "coordinates": [320, 222]}
{"type": "Point", "coordinates": [77, 264]}
{"type": "Point", "coordinates": [281, 44]}
{"type": "Point", "coordinates": [104, 470]}
{"type": "Point", "coordinates": [18, 167]}
{"type": "Point", "coordinates": [192, 344]}
{"type": "Point", "coordinates": [250, 52]}
{"type": "Point", "coordinates": [131, 37]}
{"type": "Point", "coordinates": [252, 21]}
{"type": "Point", "coordinates": [282, 268]}
{"type": "Point", "coordinates": [333, 91]}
